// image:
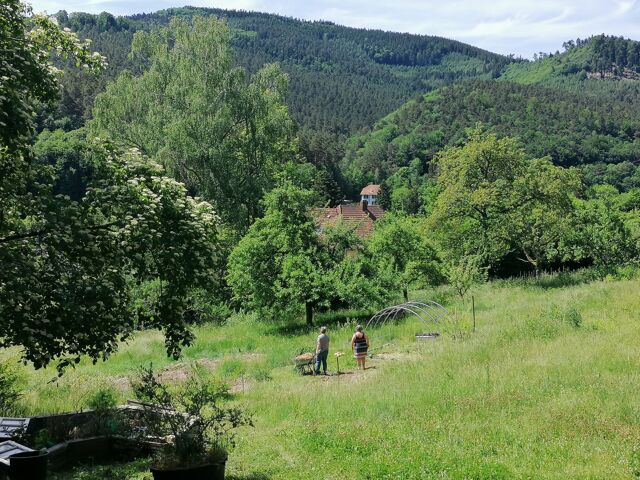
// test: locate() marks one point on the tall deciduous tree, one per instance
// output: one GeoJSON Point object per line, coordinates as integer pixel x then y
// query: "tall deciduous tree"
{"type": "Point", "coordinates": [543, 211]}
{"type": "Point", "coordinates": [67, 253]}
{"type": "Point", "coordinates": [599, 232]}
{"type": "Point", "coordinates": [28, 79]}
{"type": "Point", "coordinates": [281, 261]}
{"type": "Point", "coordinates": [222, 134]}
{"type": "Point", "coordinates": [398, 248]}
{"type": "Point", "coordinates": [284, 263]}
{"type": "Point", "coordinates": [64, 285]}
{"type": "Point", "coordinates": [476, 182]}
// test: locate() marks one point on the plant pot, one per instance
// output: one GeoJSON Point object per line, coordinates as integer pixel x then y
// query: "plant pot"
{"type": "Point", "coordinates": [28, 466]}
{"type": "Point", "coordinates": [200, 472]}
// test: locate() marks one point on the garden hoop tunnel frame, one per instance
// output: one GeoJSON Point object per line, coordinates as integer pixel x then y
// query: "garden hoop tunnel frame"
{"type": "Point", "coordinates": [428, 311]}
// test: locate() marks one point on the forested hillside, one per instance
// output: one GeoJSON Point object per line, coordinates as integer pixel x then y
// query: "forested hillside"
{"type": "Point", "coordinates": [580, 107]}
{"type": "Point", "coordinates": [600, 66]}
{"type": "Point", "coordinates": [574, 130]}
{"type": "Point", "coordinates": [341, 79]}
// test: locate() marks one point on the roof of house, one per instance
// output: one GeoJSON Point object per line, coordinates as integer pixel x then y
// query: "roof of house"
{"type": "Point", "coordinates": [361, 218]}
{"type": "Point", "coordinates": [370, 190]}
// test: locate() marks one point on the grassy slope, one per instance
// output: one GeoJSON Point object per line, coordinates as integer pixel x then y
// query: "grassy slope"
{"type": "Point", "coordinates": [567, 72]}
{"type": "Point", "coordinates": [527, 396]}
{"type": "Point", "coordinates": [544, 69]}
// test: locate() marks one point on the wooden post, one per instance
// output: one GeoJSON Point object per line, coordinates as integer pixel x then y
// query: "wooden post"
{"type": "Point", "coordinates": [338, 355]}
{"type": "Point", "coordinates": [473, 309]}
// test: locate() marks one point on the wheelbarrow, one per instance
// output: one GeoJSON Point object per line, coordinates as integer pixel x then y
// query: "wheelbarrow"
{"type": "Point", "coordinates": [305, 363]}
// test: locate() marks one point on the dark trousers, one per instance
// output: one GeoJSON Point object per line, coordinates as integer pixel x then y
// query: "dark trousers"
{"type": "Point", "coordinates": [322, 357]}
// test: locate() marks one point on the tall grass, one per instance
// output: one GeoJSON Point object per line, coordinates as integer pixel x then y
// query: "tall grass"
{"type": "Point", "coordinates": [545, 388]}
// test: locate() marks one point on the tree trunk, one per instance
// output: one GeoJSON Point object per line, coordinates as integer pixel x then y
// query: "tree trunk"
{"type": "Point", "coordinates": [405, 292]}
{"type": "Point", "coordinates": [534, 262]}
{"type": "Point", "coordinates": [309, 313]}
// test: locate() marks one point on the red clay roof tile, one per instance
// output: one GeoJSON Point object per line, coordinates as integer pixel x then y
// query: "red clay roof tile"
{"type": "Point", "coordinates": [370, 190]}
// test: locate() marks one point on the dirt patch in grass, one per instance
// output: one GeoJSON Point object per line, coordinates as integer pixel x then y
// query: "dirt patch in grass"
{"type": "Point", "coordinates": [375, 365]}
{"type": "Point", "coordinates": [208, 363]}
{"type": "Point", "coordinates": [241, 385]}
{"type": "Point", "coordinates": [177, 372]}
{"type": "Point", "coordinates": [180, 372]}
{"type": "Point", "coordinates": [121, 383]}
{"type": "Point", "coordinates": [402, 356]}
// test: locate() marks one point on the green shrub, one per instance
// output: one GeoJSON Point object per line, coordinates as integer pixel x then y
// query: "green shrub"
{"type": "Point", "coordinates": [10, 391]}
{"type": "Point", "coordinates": [232, 369]}
{"type": "Point", "coordinates": [553, 320]}
{"type": "Point", "coordinates": [193, 414]}
{"type": "Point", "coordinates": [108, 420]}
{"type": "Point", "coordinates": [572, 317]}
{"type": "Point", "coordinates": [103, 399]}
{"type": "Point", "coordinates": [261, 373]}
{"type": "Point", "coordinates": [628, 272]}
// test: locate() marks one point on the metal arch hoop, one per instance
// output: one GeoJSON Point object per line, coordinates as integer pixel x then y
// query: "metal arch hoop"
{"type": "Point", "coordinates": [425, 311]}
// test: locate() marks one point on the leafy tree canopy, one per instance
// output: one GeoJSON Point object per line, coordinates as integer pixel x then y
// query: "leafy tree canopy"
{"type": "Point", "coordinates": [400, 249]}
{"type": "Point", "coordinates": [281, 261]}
{"type": "Point", "coordinates": [28, 78]}
{"type": "Point", "coordinates": [543, 211]}
{"type": "Point", "coordinates": [80, 222]}
{"type": "Point", "coordinates": [284, 263]}
{"type": "Point", "coordinates": [64, 288]}
{"type": "Point", "coordinates": [196, 113]}
{"type": "Point", "coordinates": [476, 183]}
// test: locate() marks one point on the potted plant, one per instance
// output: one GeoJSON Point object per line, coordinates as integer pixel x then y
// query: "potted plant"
{"type": "Point", "coordinates": [195, 429]}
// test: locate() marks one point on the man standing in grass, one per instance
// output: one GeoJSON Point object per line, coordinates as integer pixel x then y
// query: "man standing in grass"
{"type": "Point", "coordinates": [322, 350]}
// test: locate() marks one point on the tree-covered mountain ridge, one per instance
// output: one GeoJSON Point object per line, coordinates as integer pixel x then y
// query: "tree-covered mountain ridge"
{"type": "Point", "coordinates": [573, 129]}
{"type": "Point", "coordinates": [341, 78]}
{"type": "Point", "coordinates": [580, 107]}
{"type": "Point", "coordinates": [598, 66]}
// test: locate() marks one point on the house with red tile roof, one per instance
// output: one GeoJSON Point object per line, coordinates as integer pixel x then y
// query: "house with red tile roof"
{"type": "Point", "coordinates": [360, 216]}
{"type": "Point", "coordinates": [370, 194]}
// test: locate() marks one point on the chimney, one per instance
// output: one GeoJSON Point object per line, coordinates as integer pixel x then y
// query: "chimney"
{"type": "Point", "coordinates": [363, 205]}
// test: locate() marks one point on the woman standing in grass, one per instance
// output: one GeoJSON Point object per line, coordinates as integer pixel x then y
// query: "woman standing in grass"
{"type": "Point", "coordinates": [322, 350]}
{"type": "Point", "coordinates": [360, 345]}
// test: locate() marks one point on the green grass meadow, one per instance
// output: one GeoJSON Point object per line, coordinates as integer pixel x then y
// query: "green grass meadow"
{"type": "Point", "coordinates": [546, 388]}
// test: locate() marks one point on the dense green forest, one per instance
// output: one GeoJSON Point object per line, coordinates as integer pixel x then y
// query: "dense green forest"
{"type": "Point", "coordinates": [600, 56]}
{"type": "Point", "coordinates": [572, 129]}
{"type": "Point", "coordinates": [342, 78]}
{"type": "Point", "coordinates": [580, 107]}
{"type": "Point", "coordinates": [584, 112]}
